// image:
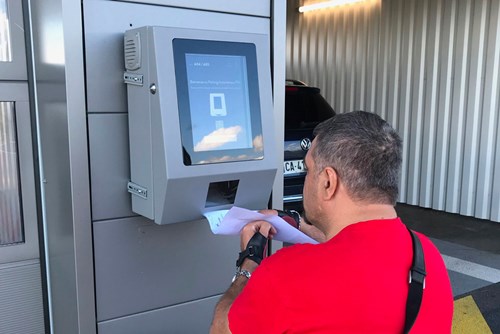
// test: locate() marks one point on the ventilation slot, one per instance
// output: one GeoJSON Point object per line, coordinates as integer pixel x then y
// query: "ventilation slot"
{"type": "Point", "coordinates": [132, 51]}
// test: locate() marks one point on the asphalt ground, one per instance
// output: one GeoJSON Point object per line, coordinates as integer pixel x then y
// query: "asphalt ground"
{"type": "Point", "coordinates": [478, 311]}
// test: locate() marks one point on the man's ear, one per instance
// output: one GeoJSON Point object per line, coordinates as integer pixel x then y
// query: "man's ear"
{"type": "Point", "coordinates": [328, 182]}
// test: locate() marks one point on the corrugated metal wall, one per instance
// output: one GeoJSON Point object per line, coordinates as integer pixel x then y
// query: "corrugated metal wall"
{"type": "Point", "coordinates": [429, 67]}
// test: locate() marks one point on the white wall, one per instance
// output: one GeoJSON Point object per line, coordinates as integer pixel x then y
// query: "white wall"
{"type": "Point", "coordinates": [430, 68]}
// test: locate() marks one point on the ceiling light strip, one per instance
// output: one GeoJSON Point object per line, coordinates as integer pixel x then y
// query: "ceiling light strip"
{"type": "Point", "coordinates": [327, 4]}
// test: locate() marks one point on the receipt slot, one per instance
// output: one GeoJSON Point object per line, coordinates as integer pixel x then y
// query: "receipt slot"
{"type": "Point", "coordinates": [200, 121]}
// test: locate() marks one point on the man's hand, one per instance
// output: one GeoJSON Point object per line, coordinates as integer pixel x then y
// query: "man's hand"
{"type": "Point", "coordinates": [291, 217]}
{"type": "Point", "coordinates": [305, 227]}
{"type": "Point", "coordinates": [250, 229]}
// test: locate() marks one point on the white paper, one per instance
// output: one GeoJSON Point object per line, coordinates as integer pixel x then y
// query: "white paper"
{"type": "Point", "coordinates": [230, 222]}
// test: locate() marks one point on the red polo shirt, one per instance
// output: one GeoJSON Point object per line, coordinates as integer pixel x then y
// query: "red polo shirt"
{"type": "Point", "coordinates": [357, 282]}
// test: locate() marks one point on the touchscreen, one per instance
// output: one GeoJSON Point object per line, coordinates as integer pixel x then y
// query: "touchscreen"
{"type": "Point", "coordinates": [218, 98]}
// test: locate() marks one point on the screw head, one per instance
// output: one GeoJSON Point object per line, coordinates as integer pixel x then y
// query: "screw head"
{"type": "Point", "coordinates": [152, 89]}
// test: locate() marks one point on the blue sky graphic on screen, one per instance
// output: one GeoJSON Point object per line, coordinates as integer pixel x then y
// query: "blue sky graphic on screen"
{"type": "Point", "coordinates": [219, 102]}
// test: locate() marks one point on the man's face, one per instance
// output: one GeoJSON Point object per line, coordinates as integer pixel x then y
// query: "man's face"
{"type": "Point", "coordinates": [310, 201]}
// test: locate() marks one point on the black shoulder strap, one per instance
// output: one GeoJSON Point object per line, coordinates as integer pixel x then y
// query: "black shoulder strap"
{"type": "Point", "coordinates": [417, 283]}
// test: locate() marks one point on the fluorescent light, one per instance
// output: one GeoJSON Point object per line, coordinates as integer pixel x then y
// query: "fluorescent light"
{"type": "Point", "coordinates": [326, 4]}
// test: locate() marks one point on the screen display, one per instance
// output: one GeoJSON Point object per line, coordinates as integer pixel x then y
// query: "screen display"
{"type": "Point", "coordinates": [218, 98]}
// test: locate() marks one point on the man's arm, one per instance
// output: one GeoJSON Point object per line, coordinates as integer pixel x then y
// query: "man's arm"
{"type": "Point", "coordinates": [220, 323]}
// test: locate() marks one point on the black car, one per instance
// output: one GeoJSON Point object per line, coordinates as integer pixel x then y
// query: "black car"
{"type": "Point", "coordinates": [304, 109]}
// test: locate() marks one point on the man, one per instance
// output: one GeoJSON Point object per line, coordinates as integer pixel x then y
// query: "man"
{"type": "Point", "coordinates": [357, 280]}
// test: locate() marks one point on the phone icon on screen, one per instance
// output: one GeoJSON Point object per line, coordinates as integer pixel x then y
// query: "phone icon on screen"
{"type": "Point", "coordinates": [217, 104]}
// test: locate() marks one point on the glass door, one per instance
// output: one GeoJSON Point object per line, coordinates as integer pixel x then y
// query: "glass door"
{"type": "Point", "coordinates": [21, 292]}
{"type": "Point", "coordinates": [12, 48]}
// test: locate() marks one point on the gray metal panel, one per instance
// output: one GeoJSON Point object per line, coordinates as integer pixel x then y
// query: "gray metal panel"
{"type": "Point", "coordinates": [105, 23]}
{"type": "Point", "coordinates": [15, 69]}
{"type": "Point", "coordinates": [459, 105]}
{"type": "Point", "coordinates": [173, 320]}
{"type": "Point", "coordinates": [109, 167]}
{"type": "Point", "coordinates": [254, 190]}
{"type": "Point", "coordinates": [142, 266]}
{"type": "Point", "coordinates": [485, 197]}
{"type": "Point", "coordinates": [491, 155]}
{"type": "Point", "coordinates": [252, 8]}
{"type": "Point", "coordinates": [416, 51]}
{"type": "Point", "coordinates": [58, 83]}
{"type": "Point", "coordinates": [405, 100]}
{"type": "Point", "coordinates": [436, 80]}
{"type": "Point", "coordinates": [476, 68]}
{"type": "Point", "coordinates": [445, 87]}
{"type": "Point", "coordinates": [21, 306]}
{"type": "Point", "coordinates": [278, 77]}
{"type": "Point", "coordinates": [495, 208]}
{"type": "Point", "coordinates": [430, 131]}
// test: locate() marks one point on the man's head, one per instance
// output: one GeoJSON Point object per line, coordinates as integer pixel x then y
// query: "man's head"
{"type": "Point", "coordinates": [365, 153]}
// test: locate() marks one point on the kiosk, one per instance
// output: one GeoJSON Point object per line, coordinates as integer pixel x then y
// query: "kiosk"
{"type": "Point", "coordinates": [200, 121]}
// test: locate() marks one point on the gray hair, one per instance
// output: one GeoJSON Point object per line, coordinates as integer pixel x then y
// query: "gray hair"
{"type": "Point", "coordinates": [365, 151]}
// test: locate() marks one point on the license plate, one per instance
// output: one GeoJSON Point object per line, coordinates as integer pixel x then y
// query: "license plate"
{"type": "Point", "coordinates": [293, 167]}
